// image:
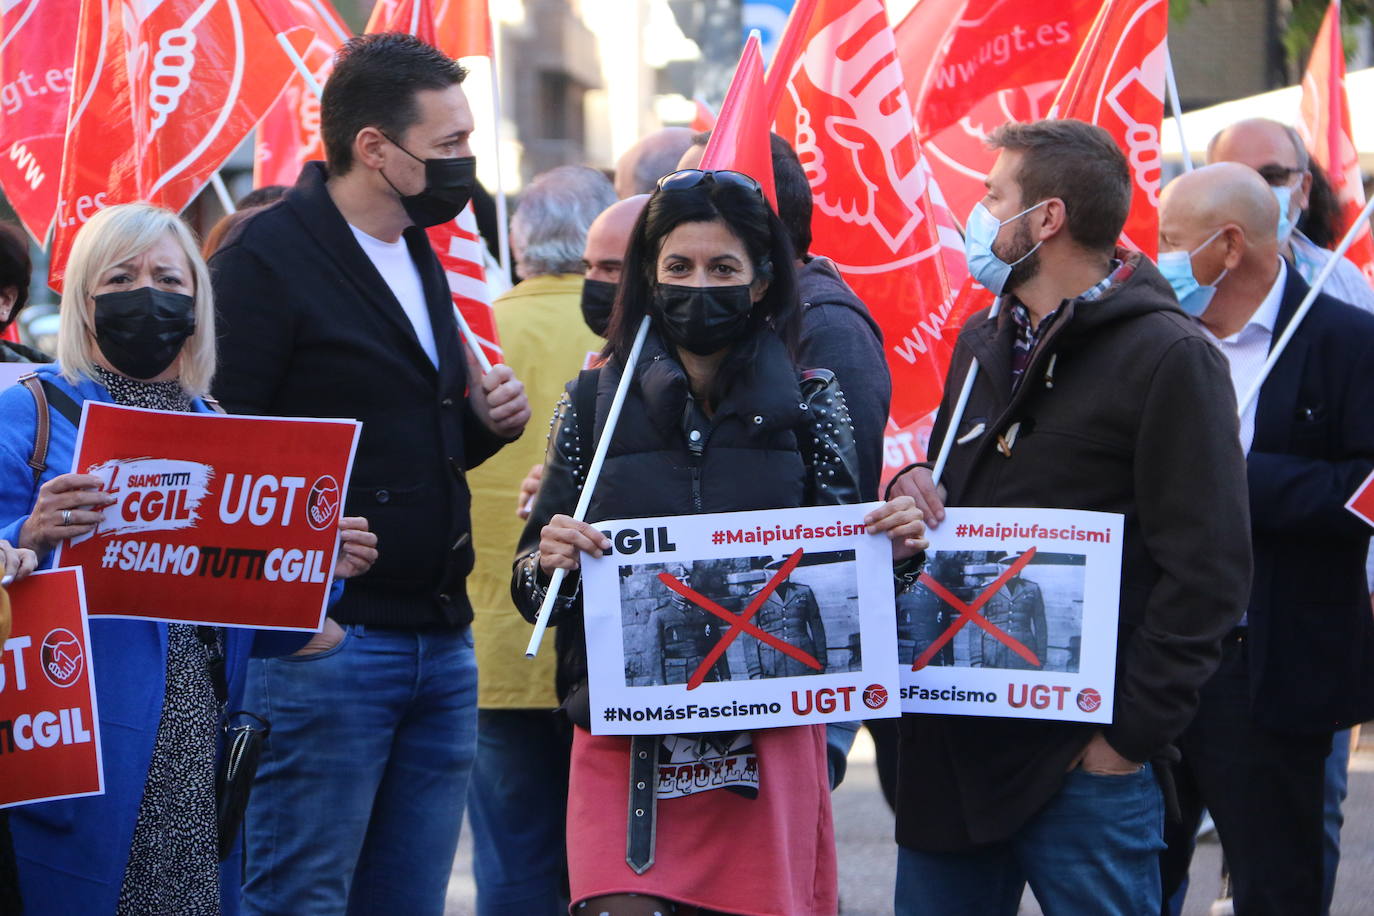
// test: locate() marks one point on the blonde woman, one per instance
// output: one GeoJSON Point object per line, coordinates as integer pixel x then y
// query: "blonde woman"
{"type": "Point", "coordinates": [137, 328]}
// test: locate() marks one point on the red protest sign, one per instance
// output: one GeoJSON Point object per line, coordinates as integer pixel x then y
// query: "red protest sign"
{"type": "Point", "coordinates": [228, 521]}
{"type": "Point", "coordinates": [49, 739]}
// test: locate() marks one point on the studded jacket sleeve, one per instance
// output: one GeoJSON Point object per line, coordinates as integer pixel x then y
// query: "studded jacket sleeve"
{"type": "Point", "coordinates": [564, 474]}
{"type": "Point", "coordinates": [827, 442]}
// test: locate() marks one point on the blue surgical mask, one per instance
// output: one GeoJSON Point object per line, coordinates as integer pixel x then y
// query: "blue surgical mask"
{"type": "Point", "coordinates": [1177, 268]}
{"type": "Point", "coordinates": [1285, 196]}
{"type": "Point", "coordinates": [979, 233]}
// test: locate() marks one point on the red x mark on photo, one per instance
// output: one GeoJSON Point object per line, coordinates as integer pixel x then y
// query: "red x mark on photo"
{"type": "Point", "coordinates": [741, 621]}
{"type": "Point", "coordinates": [969, 612]}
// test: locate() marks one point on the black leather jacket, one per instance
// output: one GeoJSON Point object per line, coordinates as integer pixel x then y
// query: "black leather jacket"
{"type": "Point", "coordinates": [779, 439]}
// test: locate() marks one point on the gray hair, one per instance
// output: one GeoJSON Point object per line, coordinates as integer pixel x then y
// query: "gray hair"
{"type": "Point", "coordinates": [550, 225]}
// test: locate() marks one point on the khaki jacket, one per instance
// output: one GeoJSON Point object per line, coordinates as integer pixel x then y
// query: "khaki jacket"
{"type": "Point", "coordinates": [547, 343]}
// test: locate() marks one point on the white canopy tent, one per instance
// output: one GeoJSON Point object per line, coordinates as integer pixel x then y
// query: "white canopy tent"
{"type": "Point", "coordinates": [1280, 105]}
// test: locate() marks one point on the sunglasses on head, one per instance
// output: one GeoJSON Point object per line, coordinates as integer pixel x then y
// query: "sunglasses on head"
{"type": "Point", "coordinates": [683, 179]}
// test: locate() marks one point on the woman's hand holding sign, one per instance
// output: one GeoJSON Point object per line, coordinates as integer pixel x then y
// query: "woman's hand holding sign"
{"type": "Point", "coordinates": [67, 505]}
{"type": "Point", "coordinates": [903, 523]}
{"type": "Point", "coordinates": [562, 539]}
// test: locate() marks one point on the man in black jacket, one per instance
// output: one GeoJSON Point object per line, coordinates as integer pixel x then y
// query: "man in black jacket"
{"type": "Point", "coordinates": [1300, 666]}
{"type": "Point", "coordinates": [1094, 392]}
{"type": "Point", "coordinates": [332, 304]}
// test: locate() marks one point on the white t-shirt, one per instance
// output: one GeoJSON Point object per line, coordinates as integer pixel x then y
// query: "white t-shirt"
{"type": "Point", "coordinates": [393, 262]}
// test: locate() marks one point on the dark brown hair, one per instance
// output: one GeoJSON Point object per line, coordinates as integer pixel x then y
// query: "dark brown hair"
{"type": "Point", "coordinates": [1078, 163]}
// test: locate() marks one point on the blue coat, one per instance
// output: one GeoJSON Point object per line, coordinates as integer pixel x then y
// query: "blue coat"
{"type": "Point", "coordinates": [72, 854]}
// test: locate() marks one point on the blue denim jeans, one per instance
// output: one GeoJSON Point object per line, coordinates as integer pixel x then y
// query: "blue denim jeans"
{"type": "Point", "coordinates": [1337, 783]}
{"type": "Point", "coordinates": [359, 797]}
{"type": "Point", "coordinates": [518, 809]}
{"type": "Point", "coordinates": [1093, 849]}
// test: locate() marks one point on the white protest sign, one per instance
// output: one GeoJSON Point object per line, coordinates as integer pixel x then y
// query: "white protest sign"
{"type": "Point", "coordinates": [740, 620]}
{"type": "Point", "coordinates": [12, 372]}
{"type": "Point", "coordinates": [1015, 615]}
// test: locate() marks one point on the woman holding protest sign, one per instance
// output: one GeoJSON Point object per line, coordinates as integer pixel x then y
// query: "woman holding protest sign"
{"type": "Point", "coordinates": [137, 329]}
{"type": "Point", "coordinates": [720, 419]}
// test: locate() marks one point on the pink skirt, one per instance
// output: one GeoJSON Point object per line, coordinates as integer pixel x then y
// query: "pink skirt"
{"type": "Point", "coordinates": [773, 855]}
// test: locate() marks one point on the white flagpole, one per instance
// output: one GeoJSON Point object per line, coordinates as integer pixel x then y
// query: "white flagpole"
{"type": "Point", "coordinates": [952, 427]}
{"type": "Point", "coordinates": [502, 229]}
{"type": "Point", "coordinates": [299, 63]}
{"type": "Point", "coordinates": [222, 192]}
{"type": "Point", "coordinates": [471, 338]}
{"type": "Point", "coordinates": [541, 622]}
{"type": "Point", "coordinates": [1171, 86]}
{"type": "Point", "coordinates": [1306, 306]}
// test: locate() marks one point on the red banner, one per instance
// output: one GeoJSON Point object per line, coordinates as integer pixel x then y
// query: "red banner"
{"type": "Point", "coordinates": [49, 732]}
{"type": "Point", "coordinates": [36, 72]}
{"type": "Point", "coordinates": [414, 17]}
{"type": "Point", "coordinates": [463, 27]}
{"type": "Point", "coordinates": [288, 136]}
{"type": "Point", "coordinates": [228, 521]}
{"type": "Point", "coordinates": [956, 53]}
{"type": "Point", "coordinates": [462, 252]}
{"type": "Point", "coordinates": [1325, 128]}
{"type": "Point", "coordinates": [846, 112]}
{"type": "Point", "coordinates": [1117, 83]}
{"type": "Point", "coordinates": [163, 93]}
{"type": "Point", "coordinates": [973, 65]}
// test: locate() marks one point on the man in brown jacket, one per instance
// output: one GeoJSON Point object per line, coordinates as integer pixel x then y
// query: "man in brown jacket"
{"type": "Point", "coordinates": [1094, 392]}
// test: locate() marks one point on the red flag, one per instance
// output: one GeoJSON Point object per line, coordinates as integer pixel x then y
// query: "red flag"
{"type": "Point", "coordinates": [973, 65]}
{"type": "Point", "coordinates": [1117, 83]}
{"type": "Point", "coordinates": [288, 136]}
{"type": "Point", "coordinates": [463, 27]}
{"type": "Point", "coordinates": [36, 57]}
{"type": "Point", "coordinates": [1325, 128]}
{"type": "Point", "coordinates": [414, 17]}
{"type": "Point", "coordinates": [462, 252]}
{"type": "Point", "coordinates": [162, 94]}
{"type": "Point", "coordinates": [877, 213]}
{"type": "Point", "coordinates": [956, 53]}
{"type": "Point", "coordinates": [740, 141]}
{"type": "Point", "coordinates": [705, 118]}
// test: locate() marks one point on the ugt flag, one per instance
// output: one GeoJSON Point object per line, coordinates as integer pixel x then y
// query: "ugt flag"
{"type": "Point", "coordinates": [846, 112]}
{"type": "Point", "coordinates": [163, 92]}
{"type": "Point", "coordinates": [1117, 83]}
{"type": "Point", "coordinates": [36, 54]}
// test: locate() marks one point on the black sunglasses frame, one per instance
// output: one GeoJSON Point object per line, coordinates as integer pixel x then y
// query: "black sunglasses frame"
{"type": "Point", "coordinates": [684, 179]}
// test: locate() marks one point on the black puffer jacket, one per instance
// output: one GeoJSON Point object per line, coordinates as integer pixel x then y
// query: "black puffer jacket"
{"type": "Point", "coordinates": [777, 440]}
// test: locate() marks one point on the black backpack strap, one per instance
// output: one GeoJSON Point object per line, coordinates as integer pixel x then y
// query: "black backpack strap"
{"type": "Point", "coordinates": [62, 403]}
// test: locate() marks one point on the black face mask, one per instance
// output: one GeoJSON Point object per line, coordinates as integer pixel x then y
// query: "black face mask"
{"type": "Point", "coordinates": [702, 319]}
{"type": "Point", "coordinates": [448, 188]}
{"type": "Point", "coordinates": [598, 298]}
{"type": "Point", "coordinates": [140, 331]}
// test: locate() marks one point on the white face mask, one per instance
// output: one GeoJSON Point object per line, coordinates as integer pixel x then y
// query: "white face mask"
{"type": "Point", "coordinates": [979, 233]}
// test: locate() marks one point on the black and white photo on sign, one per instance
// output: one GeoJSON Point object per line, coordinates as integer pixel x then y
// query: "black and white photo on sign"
{"type": "Point", "coordinates": [668, 635]}
{"type": "Point", "coordinates": [1040, 607]}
